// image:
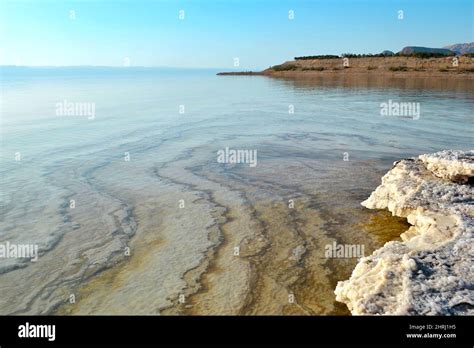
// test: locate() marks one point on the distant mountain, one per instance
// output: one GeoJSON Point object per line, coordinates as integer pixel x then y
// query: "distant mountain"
{"type": "Point", "coordinates": [387, 53]}
{"type": "Point", "coordinates": [462, 48]}
{"type": "Point", "coordinates": [415, 49]}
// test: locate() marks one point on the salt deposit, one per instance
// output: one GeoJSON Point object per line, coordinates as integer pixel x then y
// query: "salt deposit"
{"type": "Point", "coordinates": [429, 272]}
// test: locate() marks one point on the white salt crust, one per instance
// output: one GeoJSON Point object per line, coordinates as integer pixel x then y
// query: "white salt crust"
{"type": "Point", "coordinates": [431, 271]}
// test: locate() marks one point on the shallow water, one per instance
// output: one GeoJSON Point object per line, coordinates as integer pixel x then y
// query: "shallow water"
{"type": "Point", "coordinates": [144, 176]}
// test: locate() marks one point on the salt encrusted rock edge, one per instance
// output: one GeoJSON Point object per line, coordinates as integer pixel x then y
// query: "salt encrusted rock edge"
{"type": "Point", "coordinates": [431, 271]}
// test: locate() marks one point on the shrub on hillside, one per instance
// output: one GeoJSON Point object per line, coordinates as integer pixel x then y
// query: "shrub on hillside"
{"type": "Point", "coordinates": [398, 68]}
{"type": "Point", "coordinates": [316, 68]}
{"type": "Point", "coordinates": [368, 55]}
{"type": "Point", "coordinates": [284, 67]}
{"type": "Point", "coordinates": [425, 55]}
{"type": "Point", "coordinates": [325, 56]}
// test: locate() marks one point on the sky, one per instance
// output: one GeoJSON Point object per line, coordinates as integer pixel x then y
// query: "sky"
{"type": "Point", "coordinates": [213, 33]}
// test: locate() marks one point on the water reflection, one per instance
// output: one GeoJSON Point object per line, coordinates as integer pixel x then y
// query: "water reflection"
{"type": "Point", "coordinates": [456, 84]}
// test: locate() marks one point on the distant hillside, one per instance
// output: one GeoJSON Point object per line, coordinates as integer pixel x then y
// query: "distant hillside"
{"type": "Point", "coordinates": [409, 50]}
{"type": "Point", "coordinates": [401, 65]}
{"type": "Point", "coordinates": [430, 63]}
{"type": "Point", "coordinates": [462, 48]}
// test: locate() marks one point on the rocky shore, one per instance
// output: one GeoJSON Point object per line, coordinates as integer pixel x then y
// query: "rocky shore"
{"type": "Point", "coordinates": [429, 272]}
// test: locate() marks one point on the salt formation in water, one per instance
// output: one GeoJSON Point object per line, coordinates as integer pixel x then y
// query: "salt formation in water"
{"type": "Point", "coordinates": [429, 272]}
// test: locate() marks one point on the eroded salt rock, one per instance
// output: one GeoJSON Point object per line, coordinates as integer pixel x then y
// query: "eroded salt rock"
{"type": "Point", "coordinates": [431, 272]}
{"type": "Point", "coordinates": [452, 165]}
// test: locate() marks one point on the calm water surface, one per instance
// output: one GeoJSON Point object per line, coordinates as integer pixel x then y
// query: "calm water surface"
{"type": "Point", "coordinates": [152, 144]}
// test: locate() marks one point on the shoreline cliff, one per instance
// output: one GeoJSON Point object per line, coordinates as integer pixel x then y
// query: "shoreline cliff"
{"type": "Point", "coordinates": [378, 66]}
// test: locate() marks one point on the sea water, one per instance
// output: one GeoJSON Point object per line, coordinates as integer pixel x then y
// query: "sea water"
{"type": "Point", "coordinates": [114, 174]}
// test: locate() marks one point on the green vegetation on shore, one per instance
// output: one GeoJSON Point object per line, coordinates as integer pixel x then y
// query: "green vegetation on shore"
{"type": "Point", "coordinates": [325, 56]}
{"type": "Point", "coordinates": [370, 55]}
{"type": "Point", "coordinates": [386, 62]}
{"type": "Point", "coordinates": [284, 67]}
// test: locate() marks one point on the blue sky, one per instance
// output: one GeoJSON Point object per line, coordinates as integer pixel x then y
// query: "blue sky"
{"type": "Point", "coordinates": [213, 33]}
